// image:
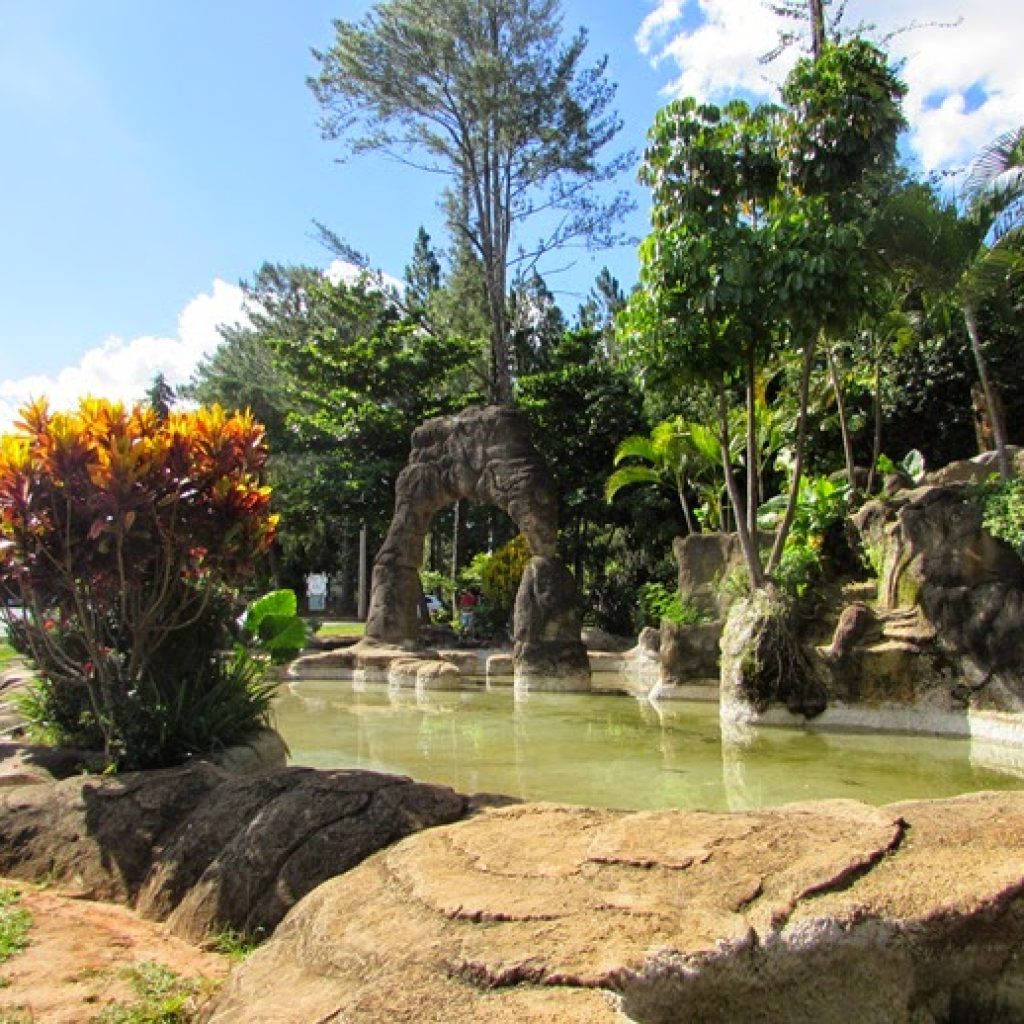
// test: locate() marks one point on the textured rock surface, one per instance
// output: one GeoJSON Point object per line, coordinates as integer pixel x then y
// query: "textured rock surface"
{"type": "Point", "coordinates": [813, 913]}
{"type": "Point", "coordinates": [951, 597]}
{"type": "Point", "coordinates": [548, 651]}
{"type": "Point", "coordinates": [689, 653]}
{"type": "Point", "coordinates": [483, 454]}
{"type": "Point", "coordinates": [205, 849]}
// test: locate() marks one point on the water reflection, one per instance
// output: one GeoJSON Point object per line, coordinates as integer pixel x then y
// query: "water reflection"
{"type": "Point", "coordinates": [606, 750]}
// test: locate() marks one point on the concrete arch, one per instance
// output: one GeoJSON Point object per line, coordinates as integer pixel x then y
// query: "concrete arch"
{"type": "Point", "coordinates": [484, 454]}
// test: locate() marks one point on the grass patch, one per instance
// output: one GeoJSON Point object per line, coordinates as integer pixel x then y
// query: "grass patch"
{"type": "Point", "coordinates": [14, 924]}
{"type": "Point", "coordinates": [235, 945]}
{"type": "Point", "coordinates": [7, 654]}
{"type": "Point", "coordinates": [163, 997]}
{"type": "Point", "coordinates": [341, 629]}
{"type": "Point", "coordinates": [17, 1015]}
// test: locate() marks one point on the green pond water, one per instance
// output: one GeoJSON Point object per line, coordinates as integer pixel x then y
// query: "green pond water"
{"type": "Point", "coordinates": [611, 751]}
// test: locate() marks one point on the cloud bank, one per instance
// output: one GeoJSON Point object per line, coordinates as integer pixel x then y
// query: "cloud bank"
{"type": "Point", "coordinates": [961, 63]}
{"type": "Point", "coordinates": [123, 370]}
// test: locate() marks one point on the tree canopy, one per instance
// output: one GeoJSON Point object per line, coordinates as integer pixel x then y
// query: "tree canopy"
{"type": "Point", "coordinates": [487, 93]}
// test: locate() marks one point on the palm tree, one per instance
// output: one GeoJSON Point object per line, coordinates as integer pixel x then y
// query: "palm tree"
{"type": "Point", "coordinates": [994, 190]}
{"type": "Point", "coordinates": [678, 453]}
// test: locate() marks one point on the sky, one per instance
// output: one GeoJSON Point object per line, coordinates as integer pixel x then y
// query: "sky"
{"type": "Point", "coordinates": [156, 154]}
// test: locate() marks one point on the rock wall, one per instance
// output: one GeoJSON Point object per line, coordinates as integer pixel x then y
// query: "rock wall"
{"type": "Point", "coordinates": [207, 850]}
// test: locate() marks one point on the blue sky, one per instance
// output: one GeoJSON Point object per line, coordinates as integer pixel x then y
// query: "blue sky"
{"type": "Point", "coordinates": [157, 153]}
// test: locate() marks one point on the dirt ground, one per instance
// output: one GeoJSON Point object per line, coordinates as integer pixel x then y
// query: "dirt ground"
{"type": "Point", "coordinates": [74, 964]}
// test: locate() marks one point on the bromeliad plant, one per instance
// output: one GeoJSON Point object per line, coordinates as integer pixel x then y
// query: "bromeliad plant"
{"type": "Point", "coordinates": [120, 534]}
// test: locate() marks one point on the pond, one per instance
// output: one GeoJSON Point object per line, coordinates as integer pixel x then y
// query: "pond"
{"type": "Point", "coordinates": [612, 751]}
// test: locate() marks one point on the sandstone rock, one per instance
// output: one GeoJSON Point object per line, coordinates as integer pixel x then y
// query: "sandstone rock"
{"type": "Point", "coordinates": [264, 750]}
{"type": "Point", "coordinates": [807, 914]}
{"type": "Point", "coordinates": [548, 651]}
{"type": "Point", "coordinates": [438, 675]}
{"type": "Point", "coordinates": [705, 561]}
{"type": "Point", "coordinates": [689, 653]}
{"type": "Point", "coordinates": [855, 622]}
{"type": "Point", "coordinates": [601, 640]}
{"type": "Point", "coordinates": [207, 850]}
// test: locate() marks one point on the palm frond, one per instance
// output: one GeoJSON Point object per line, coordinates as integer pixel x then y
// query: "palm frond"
{"type": "Point", "coordinates": [626, 476]}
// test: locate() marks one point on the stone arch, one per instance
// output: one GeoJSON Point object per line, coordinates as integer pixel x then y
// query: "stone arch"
{"type": "Point", "coordinates": [484, 454]}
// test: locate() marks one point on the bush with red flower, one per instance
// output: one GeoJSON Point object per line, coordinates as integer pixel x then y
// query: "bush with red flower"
{"type": "Point", "coordinates": [122, 533]}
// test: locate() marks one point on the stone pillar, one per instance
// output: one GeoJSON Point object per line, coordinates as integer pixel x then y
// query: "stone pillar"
{"type": "Point", "coordinates": [548, 652]}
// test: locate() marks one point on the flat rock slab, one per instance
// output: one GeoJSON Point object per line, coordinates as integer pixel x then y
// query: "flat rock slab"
{"type": "Point", "coordinates": [205, 849]}
{"type": "Point", "coordinates": [812, 913]}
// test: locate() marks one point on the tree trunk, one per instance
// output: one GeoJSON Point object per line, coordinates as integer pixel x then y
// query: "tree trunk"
{"type": "Point", "coordinates": [752, 489]}
{"type": "Point", "coordinates": [691, 523]}
{"type": "Point", "coordinates": [844, 425]}
{"type": "Point", "coordinates": [991, 399]}
{"type": "Point", "coordinates": [748, 542]}
{"type": "Point", "coordinates": [798, 463]}
{"type": "Point", "coordinates": [817, 14]}
{"type": "Point", "coordinates": [876, 412]}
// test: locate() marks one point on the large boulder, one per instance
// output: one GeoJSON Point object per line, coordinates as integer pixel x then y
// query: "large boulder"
{"type": "Point", "coordinates": [807, 914]}
{"type": "Point", "coordinates": [208, 850]}
{"type": "Point", "coordinates": [705, 562]}
{"type": "Point", "coordinates": [764, 662]}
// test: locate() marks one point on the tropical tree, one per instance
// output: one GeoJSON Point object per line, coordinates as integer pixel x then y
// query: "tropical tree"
{"type": "Point", "coordinates": [758, 240]}
{"type": "Point", "coordinates": [994, 190]}
{"type": "Point", "coordinates": [677, 454]}
{"type": "Point", "coordinates": [486, 93]}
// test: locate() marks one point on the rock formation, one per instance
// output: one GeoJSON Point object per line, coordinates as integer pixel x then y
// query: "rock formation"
{"type": "Point", "coordinates": [207, 850]}
{"type": "Point", "coordinates": [485, 455]}
{"type": "Point", "coordinates": [806, 914]}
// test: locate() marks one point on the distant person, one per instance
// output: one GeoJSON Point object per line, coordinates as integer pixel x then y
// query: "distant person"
{"type": "Point", "coordinates": [467, 605]}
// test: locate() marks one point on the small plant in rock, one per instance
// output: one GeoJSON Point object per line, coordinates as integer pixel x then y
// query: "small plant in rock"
{"type": "Point", "coordinates": [236, 945]}
{"type": "Point", "coordinates": [657, 602]}
{"type": "Point", "coordinates": [1003, 510]}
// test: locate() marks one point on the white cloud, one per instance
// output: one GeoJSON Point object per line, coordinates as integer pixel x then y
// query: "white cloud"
{"type": "Point", "coordinates": [123, 370]}
{"type": "Point", "coordinates": [351, 273]}
{"type": "Point", "coordinates": [965, 82]}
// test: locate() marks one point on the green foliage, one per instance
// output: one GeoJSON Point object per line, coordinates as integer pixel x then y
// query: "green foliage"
{"type": "Point", "coordinates": [15, 923]}
{"type": "Point", "coordinates": [657, 602]}
{"type": "Point", "coordinates": [1003, 511]}
{"type": "Point", "coordinates": [846, 118]}
{"type": "Point", "coordinates": [163, 997]}
{"type": "Point", "coordinates": [912, 464]}
{"type": "Point", "coordinates": [821, 503]}
{"type": "Point", "coordinates": [273, 623]}
{"type": "Point", "coordinates": [501, 572]}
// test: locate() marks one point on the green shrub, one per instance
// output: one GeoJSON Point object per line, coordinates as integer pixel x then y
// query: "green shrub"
{"type": "Point", "coordinates": [657, 602]}
{"type": "Point", "coordinates": [821, 503]}
{"type": "Point", "coordinates": [501, 572]}
{"type": "Point", "coordinates": [1003, 511]}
